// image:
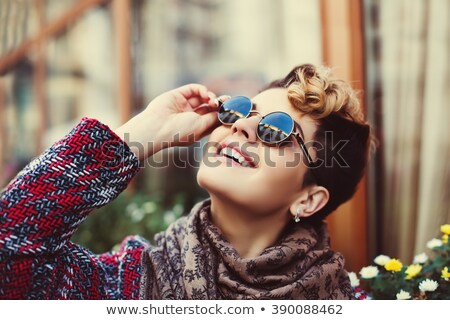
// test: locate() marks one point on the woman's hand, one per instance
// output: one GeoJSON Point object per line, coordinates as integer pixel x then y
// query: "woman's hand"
{"type": "Point", "coordinates": [175, 118]}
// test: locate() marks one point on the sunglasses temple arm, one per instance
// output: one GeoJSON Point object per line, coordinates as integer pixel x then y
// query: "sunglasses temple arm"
{"type": "Point", "coordinates": [305, 151]}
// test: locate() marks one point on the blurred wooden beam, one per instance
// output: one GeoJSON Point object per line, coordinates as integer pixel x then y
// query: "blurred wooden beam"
{"type": "Point", "coordinates": [3, 132]}
{"type": "Point", "coordinates": [122, 29]}
{"type": "Point", "coordinates": [54, 28]}
{"type": "Point", "coordinates": [39, 79]}
{"type": "Point", "coordinates": [343, 50]}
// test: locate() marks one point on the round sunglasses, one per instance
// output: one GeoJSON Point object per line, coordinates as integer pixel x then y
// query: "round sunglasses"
{"type": "Point", "coordinates": [272, 129]}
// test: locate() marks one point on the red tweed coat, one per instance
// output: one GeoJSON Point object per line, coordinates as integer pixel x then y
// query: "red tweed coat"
{"type": "Point", "coordinates": [46, 202]}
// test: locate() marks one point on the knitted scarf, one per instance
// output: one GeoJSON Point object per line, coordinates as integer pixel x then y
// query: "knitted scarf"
{"type": "Point", "coordinates": [192, 260]}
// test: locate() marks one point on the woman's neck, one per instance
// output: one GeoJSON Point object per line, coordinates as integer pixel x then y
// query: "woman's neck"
{"type": "Point", "coordinates": [248, 232]}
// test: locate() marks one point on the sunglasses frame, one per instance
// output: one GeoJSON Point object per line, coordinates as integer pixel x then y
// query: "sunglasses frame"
{"type": "Point", "coordinates": [294, 123]}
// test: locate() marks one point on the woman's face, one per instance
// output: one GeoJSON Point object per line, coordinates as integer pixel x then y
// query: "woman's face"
{"type": "Point", "coordinates": [270, 177]}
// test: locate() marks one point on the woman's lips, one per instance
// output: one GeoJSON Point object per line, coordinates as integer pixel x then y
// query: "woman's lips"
{"type": "Point", "coordinates": [234, 156]}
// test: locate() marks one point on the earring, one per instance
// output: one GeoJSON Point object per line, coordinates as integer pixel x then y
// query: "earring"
{"type": "Point", "coordinates": [297, 215]}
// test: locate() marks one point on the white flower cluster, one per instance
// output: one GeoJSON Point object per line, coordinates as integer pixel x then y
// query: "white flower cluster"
{"type": "Point", "coordinates": [421, 258]}
{"type": "Point", "coordinates": [403, 295]}
{"type": "Point", "coordinates": [354, 281]}
{"type": "Point", "coordinates": [369, 272]}
{"type": "Point", "coordinates": [434, 243]}
{"type": "Point", "coordinates": [428, 285]}
{"type": "Point", "coordinates": [388, 273]}
{"type": "Point", "coordinates": [381, 260]}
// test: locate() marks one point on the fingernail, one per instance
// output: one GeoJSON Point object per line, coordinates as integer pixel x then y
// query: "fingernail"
{"type": "Point", "coordinates": [224, 97]}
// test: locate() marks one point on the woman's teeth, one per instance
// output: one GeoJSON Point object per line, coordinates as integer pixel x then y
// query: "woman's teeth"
{"type": "Point", "coordinates": [233, 154]}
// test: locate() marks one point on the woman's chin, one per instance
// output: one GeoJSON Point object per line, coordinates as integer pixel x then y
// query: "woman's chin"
{"type": "Point", "coordinates": [210, 180]}
{"type": "Point", "coordinates": [219, 181]}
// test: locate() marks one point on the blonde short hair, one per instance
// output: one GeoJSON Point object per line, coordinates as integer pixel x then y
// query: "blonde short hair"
{"type": "Point", "coordinates": [316, 92]}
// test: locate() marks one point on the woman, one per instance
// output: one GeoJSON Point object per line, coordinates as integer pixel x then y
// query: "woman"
{"type": "Point", "coordinates": [272, 174]}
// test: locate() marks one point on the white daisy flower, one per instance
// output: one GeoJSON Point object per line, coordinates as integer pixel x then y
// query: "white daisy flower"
{"type": "Point", "coordinates": [369, 272]}
{"type": "Point", "coordinates": [403, 295]}
{"type": "Point", "coordinates": [354, 281]}
{"type": "Point", "coordinates": [428, 285]}
{"type": "Point", "coordinates": [420, 258]}
{"type": "Point", "coordinates": [381, 260]}
{"type": "Point", "coordinates": [434, 243]}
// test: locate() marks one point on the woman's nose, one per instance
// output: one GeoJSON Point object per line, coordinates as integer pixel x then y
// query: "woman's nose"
{"type": "Point", "coordinates": [246, 127]}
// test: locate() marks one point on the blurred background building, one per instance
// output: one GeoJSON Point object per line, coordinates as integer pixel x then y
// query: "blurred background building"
{"type": "Point", "coordinates": [61, 60]}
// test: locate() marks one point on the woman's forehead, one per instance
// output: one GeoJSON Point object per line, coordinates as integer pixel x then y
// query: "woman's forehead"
{"type": "Point", "coordinates": [272, 100]}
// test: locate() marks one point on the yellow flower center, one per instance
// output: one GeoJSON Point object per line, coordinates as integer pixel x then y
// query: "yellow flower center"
{"type": "Point", "coordinates": [413, 270]}
{"type": "Point", "coordinates": [393, 265]}
{"type": "Point", "coordinates": [445, 238]}
{"type": "Point", "coordinates": [445, 228]}
{"type": "Point", "coordinates": [445, 274]}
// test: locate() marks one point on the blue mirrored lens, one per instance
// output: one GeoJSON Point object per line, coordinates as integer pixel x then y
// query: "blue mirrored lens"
{"type": "Point", "coordinates": [234, 109]}
{"type": "Point", "coordinates": [275, 127]}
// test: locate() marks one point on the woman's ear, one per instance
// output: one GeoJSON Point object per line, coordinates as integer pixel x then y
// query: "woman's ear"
{"type": "Point", "coordinates": [310, 201]}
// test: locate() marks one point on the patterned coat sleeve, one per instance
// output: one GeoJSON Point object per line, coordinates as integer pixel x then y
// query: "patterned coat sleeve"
{"type": "Point", "coordinates": [43, 206]}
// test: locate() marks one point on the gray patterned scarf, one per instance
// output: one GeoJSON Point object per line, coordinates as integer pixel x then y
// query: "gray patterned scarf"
{"type": "Point", "coordinates": [192, 260]}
